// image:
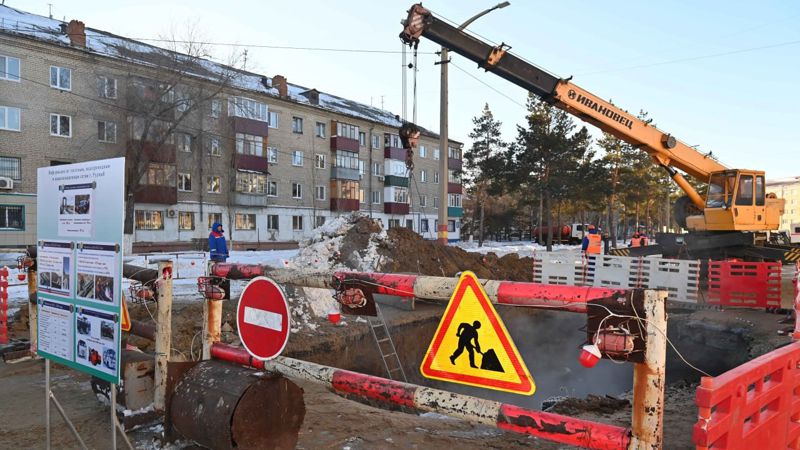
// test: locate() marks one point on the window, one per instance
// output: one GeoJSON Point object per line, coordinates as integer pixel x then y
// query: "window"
{"type": "Point", "coordinates": [399, 195]}
{"type": "Point", "coordinates": [273, 119]}
{"type": "Point", "coordinates": [60, 78]}
{"type": "Point", "coordinates": [272, 155]}
{"type": "Point", "coordinates": [248, 144]}
{"type": "Point", "coordinates": [760, 191]}
{"type": "Point", "coordinates": [12, 217]}
{"type": "Point", "coordinates": [745, 195]}
{"type": "Point", "coordinates": [454, 200]}
{"type": "Point", "coordinates": [392, 140]}
{"type": "Point", "coordinates": [376, 141]}
{"type": "Point", "coordinates": [321, 129]}
{"type": "Point", "coordinates": [251, 183]}
{"type": "Point", "coordinates": [149, 220]}
{"type": "Point", "coordinates": [346, 130]}
{"type": "Point", "coordinates": [320, 221]}
{"type": "Point", "coordinates": [297, 190]}
{"type": "Point", "coordinates": [216, 108]}
{"type": "Point", "coordinates": [423, 176]}
{"type": "Point", "coordinates": [106, 131]}
{"type": "Point", "coordinates": [9, 68]}
{"type": "Point", "coordinates": [376, 197]}
{"type": "Point", "coordinates": [247, 108]}
{"type": "Point", "coordinates": [423, 152]}
{"type": "Point", "coordinates": [451, 226]}
{"type": "Point", "coordinates": [157, 130]}
{"type": "Point", "coordinates": [436, 177]}
{"type": "Point", "coordinates": [60, 125]}
{"type": "Point", "coordinates": [9, 118]}
{"type": "Point", "coordinates": [245, 221]}
{"type": "Point", "coordinates": [11, 167]}
{"type": "Point", "coordinates": [297, 223]}
{"type": "Point", "coordinates": [214, 218]}
{"type": "Point", "coordinates": [319, 161]}
{"type": "Point", "coordinates": [396, 167]}
{"type": "Point", "coordinates": [394, 223]}
{"type": "Point", "coordinates": [272, 222]}
{"type": "Point", "coordinates": [454, 152]}
{"type": "Point", "coordinates": [297, 125]}
{"type": "Point", "coordinates": [347, 160]}
{"type": "Point", "coordinates": [362, 139]}
{"type": "Point", "coordinates": [361, 196]}
{"type": "Point", "coordinates": [159, 175]}
{"type": "Point", "coordinates": [410, 224]}
{"type": "Point", "coordinates": [183, 142]}
{"type": "Point", "coordinates": [435, 202]}
{"type": "Point", "coordinates": [454, 176]}
{"type": "Point", "coordinates": [436, 153]}
{"type": "Point", "coordinates": [272, 188]}
{"type": "Point", "coordinates": [423, 200]}
{"type": "Point", "coordinates": [185, 182]}
{"type": "Point", "coordinates": [214, 185]}
{"type": "Point", "coordinates": [185, 220]}
{"type": "Point", "coordinates": [423, 226]}
{"type": "Point", "coordinates": [213, 147]}
{"type": "Point", "coordinates": [297, 158]}
{"type": "Point", "coordinates": [361, 167]}
{"type": "Point", "coordinates": [376, 169]}
{"type": "Point", "coordinates": [107, 87]}
{"type": "Point", "coordinates": [344, 189]}
{"type": "Point", "coordinates": [319, 193]}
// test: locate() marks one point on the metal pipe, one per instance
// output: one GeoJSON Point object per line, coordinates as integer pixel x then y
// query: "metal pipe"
{"type": "Point", "coordinates": [212, 325]}
{"type": "Point", "coordinates": [33, 311]}
{"type": "Point", "coordinates": [163, 333]}
{"type": "Point", "coordinates": [63, 414]}
{"type": "Point", "coordinates": [143, 330]}
{"type": "Point", "coordinates": [390, 394]}
{"type": "Point", "coordinates": [647, 419]}
{"type": "Point", "coordinates": [113, 391]}
{"type": "Point", "coordinates": [47, 403]}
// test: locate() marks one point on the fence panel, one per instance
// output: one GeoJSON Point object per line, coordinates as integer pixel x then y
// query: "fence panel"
{"type": "Point", "coordinates": [754, 406]}
{"type": "Point", "coordinates": [744, 284]}
{"type": "Point", "coordinates": [680, 278]}
{"type": "Point", "coordinates": [560, 268]}
{"type": "Point", "coordinates": [614, 271]}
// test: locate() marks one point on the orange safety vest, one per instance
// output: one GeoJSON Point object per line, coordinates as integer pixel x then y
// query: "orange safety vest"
{"type": "Point", "coordinates": [594, 244]}
{"type": "Point", "coordinates": [636, 242]}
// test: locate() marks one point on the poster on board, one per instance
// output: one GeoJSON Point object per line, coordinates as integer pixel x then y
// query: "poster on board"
{"type": "Point", "coordinates": [75, 209]}
{"type": "Point", "coordinates": [54, 261]}
{"type": "Point", "coordinates": [96, 271]}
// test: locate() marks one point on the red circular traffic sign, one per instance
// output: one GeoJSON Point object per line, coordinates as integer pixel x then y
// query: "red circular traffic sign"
{"type": "Point", "coordinates": [262, 317]}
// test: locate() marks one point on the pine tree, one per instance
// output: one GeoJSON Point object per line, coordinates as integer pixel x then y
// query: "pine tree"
{"type": "Point", "coordinates": [483, 162]}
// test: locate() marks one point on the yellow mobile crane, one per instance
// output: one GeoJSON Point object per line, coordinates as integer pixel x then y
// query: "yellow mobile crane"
{"type": "Point", "coordinates": [734, 218]}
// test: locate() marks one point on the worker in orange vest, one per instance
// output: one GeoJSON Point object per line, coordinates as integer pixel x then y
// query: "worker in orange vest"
{"type": "Point", "coordinates": [638, 240]}
{"type": "Point", "coordinates": [591, 242]}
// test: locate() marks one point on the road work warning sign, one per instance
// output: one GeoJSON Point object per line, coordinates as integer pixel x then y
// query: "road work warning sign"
{"type": "Point", "coordinates": [472, 346]}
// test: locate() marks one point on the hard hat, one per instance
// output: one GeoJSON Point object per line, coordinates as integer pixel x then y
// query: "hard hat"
{"type": "Point", "coordinates": [591, 227]}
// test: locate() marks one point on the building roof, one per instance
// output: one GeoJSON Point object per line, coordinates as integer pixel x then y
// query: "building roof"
{"type": "Point", "coordinates": [787, 180]}
{"type": "Point", "coordinates": [17, 22]}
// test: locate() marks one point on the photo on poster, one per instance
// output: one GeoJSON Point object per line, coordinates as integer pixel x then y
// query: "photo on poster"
{"type": "Point", "coordinates": [97, 336]}
{"type": "Point", "coordinates": [75, 209]}
{"type": "Point", "coordinates": [55, 328]}
{"type": "Point", "coordinates": [54, 261]}
{"type": "Point", "coordinates": [96, 267]}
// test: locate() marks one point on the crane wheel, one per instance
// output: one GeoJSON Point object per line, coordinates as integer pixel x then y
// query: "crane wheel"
{"type": "Point", "coordinates": [682, 209]}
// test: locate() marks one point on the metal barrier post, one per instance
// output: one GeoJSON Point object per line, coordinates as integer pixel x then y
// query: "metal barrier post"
{"type": "Point", "coordinates": [163, 333]}
{"type": "Point", "coordinates": [649, 377]}
{"type": "Point", "coordinates": [33, 311]}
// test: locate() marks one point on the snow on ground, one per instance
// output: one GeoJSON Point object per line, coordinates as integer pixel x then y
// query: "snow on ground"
{"type": "Point", "coordinates": [521, 248]}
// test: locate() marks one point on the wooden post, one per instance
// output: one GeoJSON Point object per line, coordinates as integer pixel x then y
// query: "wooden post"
{"type": "Point", "coordinates": [649, 377]}
{"type": "Point", "coordinates": [163, 333]}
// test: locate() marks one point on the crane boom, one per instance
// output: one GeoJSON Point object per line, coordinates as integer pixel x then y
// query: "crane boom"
{"type": "Point", "coordinates": [665, 150]}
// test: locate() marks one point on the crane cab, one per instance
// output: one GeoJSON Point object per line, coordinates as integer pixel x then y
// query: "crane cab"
{"type": "Point", "coordinates": [736, 200]}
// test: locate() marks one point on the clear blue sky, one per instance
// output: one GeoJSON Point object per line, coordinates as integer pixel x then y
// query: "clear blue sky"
{"type": "Point", "coordinates": [743, 105]}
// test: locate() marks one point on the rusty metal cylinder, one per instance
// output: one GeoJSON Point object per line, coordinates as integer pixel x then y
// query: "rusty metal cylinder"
{"type": "Point", "coordinates": [223, 406]}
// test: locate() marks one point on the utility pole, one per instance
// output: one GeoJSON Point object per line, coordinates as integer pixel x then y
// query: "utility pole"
{"type": "Point", "coordinates": [444, 147]}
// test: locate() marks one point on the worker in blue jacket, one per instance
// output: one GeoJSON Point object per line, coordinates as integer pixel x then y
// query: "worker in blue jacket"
{"type": "Point", "coordinates": [217, 247]}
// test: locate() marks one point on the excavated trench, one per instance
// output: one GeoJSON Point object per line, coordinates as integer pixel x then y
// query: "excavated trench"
{"type": "Point", "coordinates": [549, 342]}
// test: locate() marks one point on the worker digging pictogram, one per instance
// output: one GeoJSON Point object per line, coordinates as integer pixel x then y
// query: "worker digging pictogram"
{"type": "Point", "coordinates": [472, 346]}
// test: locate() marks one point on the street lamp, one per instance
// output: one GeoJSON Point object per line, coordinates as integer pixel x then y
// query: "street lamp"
{"type": "Point", "coordinates": [444, 144]}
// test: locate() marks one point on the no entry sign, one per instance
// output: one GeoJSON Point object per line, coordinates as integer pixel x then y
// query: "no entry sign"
{"type": "Point", "coordinates": [263, 318]}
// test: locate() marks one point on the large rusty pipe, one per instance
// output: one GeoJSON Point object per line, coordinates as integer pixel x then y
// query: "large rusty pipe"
{"type": "Point", "coordinates": [390, 394]}
{"type": "Point", "coordinates": [143, 330]}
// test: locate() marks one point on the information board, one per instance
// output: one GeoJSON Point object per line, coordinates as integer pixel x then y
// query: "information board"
{"type": "Point", "coordinates": [79, 261]}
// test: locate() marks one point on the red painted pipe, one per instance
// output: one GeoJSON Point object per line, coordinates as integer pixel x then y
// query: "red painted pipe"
{"type": "Point", "coordinates": [569, 298]}
{"type": "Point", "coordinates": [384, 283]}
{"type": "Point", "coordinates": [392, 394]}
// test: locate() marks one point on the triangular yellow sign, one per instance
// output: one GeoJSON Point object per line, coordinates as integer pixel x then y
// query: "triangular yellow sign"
{"type": "Point", "coordinates": [472, 346]}
{"type": "Point", "coordinates": [126, 318]}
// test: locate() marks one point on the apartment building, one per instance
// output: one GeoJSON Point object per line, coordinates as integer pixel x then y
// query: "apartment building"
{"type": "Point", "coordinates": [204, 142]}
{"type": "Point", "coordinates": [789, 190]}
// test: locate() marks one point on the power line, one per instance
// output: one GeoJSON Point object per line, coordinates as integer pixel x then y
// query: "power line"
{"type": "Point", "coordinates": [487, 85]}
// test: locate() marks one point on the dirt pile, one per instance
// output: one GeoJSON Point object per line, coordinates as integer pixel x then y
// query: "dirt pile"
{"type": "Point", "coordinates": [408, 252]}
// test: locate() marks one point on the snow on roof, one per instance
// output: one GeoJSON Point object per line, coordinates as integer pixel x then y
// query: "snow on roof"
{"type": "Point", "coordinates": [14, 21]}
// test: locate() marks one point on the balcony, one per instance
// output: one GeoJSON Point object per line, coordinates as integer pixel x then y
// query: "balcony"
{"type": "Point", "coordinates": [395, 208]}
{"type": "Point", "coordinates": [344, 204]}
{"type": "Point", "coordinates": [453, 211]}
{"type": "Point", "coordinates": [394, 153]}
{"type": "Point", "coordinates": [247, 199]}
{"type": "Point", "coordinates": [454, 164]}
{"type": "Point", "coordinates": [249, 126]}
{"type": "Point", "coordinates": [455, 188]}
{"type": "Point", "coordinates": [394, 180]}
{"type": "Point", "coordinates": [251, 162]}
{"type": "Point", "coordinates": [152, 152]}
{"type": "Point", "coordinates": [343, 143]}
{"type": "Point", "coordinates": [160, 195]}
{"type": "Point", "coordinates": [344, 173]}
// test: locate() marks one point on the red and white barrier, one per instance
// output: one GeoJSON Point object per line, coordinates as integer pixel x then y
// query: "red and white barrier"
{"type": "Point", "coordinates": [3, 305]}
{"type": "Point", "coordinates": [744, 284]}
